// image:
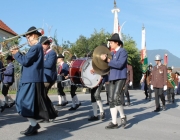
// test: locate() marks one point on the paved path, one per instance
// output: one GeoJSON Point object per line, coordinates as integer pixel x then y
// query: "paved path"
{"type": "Point", "coordinates": [143, 124]}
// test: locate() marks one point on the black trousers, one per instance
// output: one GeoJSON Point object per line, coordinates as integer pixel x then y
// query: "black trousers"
{"type": "Point", "coordinates": [146, 89]}
{"type": "Point", "coordinates": [126, 92]}
{"type": "Point", "coordinates": [60, 89]}
{"type": "Point", "coordinates": [95, 93]}
{"type": "Point", "coordinates": [5, 88]}
{"type": "Point", "coordinates": [73, 91]}
{"type": "Point", "coordinates": [149, 91]}
{"type": "Point", "coordinates": [115, 91]}
{"type": "Point", "coordinates": [159, 93]}
{"type": "Point", "coordinates": [170, 94]}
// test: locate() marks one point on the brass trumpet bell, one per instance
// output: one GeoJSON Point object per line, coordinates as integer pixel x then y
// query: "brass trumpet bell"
{"type": "Point", "coordinates": [98, 62]}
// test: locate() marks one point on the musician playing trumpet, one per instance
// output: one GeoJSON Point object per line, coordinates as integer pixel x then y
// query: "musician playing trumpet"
{"type": "Point", "coordinates": [171, 85]}
{"type": "Point", "coordinates": [31, 100]}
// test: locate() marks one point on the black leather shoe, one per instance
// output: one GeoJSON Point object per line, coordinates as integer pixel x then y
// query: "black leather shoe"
{"type": "Point", "coordinates": [59, 105]}
{"type": "Point", "coordinates": [23, 132]}
{"type": "Point", "coordinates": [102, 115]}
{"type": "Point", "coordinates": [64, 104]}
{"type": "Point", "coordinates": [32, 130]}
{"type": "Point", "coordinates": [107, 103]}
{"type": "Point", "coordinates": [93, 118]}
{"type": "Point", "coordinates": [11, 104]}
{"type": "Point", "coordinates": [72, 108]}
{"type": "Point", "coordinates": [111, 126]}
{"type": "Point", "coordinates": [157, 110]}
{"type": "Point", "coordinates": [78, 105]}
{"type": "Point", "coordinates": [2, 108]}
{"type": "Point", "coordinates": [7, 105]}
{"type": "Point", "coordinates": [123, 121]}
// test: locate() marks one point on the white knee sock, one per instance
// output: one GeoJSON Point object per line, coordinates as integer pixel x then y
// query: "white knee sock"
{"type": "Point", "coordinates": [73, 103]}
{"type": "Point", "coordinates": [32, 121]}
{"type": "Point", "coordinates": [60, 99]}
{"type": "Point", "coordinates": [6, 99]}
{"type": "Point", "coordinates": [114, 115]}
{"type": "Point", "coordinates": [94, 106]}
{"type": "Point", "coordinates": [121, 111]}
{"type": "Point", "coordinates": [1, 103]}
{"type": "Point", "coordinates": [64, 97]}
{"type": "Point", "coordinates": [100, 106]}
{"type": "Point", "coordinates": [9, 97]}
{"type": "Point", "coordinates": [76, 99]}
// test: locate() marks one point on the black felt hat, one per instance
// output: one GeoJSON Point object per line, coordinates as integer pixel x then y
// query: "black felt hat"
{"type": "Point", "coordinates": [73, 58]}
{"type": "Point", "coordinates": [177, 73]}
{"type": "Point", "coordinates": [60, 56]}
{"type": "Point", "coordinates": [9, 57]}
{"type": "Point", "coordinates": [169, 68]}
{"type": "Point", "coordinates": [115, 37]}
{"type": "Point", "coordinates": [34, 32]}
{"type": "Point", "coordinates": [44, 39]}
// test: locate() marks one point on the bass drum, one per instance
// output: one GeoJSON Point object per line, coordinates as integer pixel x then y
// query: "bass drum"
{"type": "Point", "coordinates": [80, 73]}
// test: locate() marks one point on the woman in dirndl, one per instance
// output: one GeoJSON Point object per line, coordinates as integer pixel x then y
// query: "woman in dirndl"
{"type": "Point", "coordinates": [31, 100]}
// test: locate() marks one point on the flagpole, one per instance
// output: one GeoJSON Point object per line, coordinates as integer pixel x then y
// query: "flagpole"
{"type": "Point", "coordinates": [144, 59]}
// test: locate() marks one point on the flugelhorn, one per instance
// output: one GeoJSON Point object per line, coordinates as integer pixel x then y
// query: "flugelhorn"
{"type": "Point", "coordinates": [14, 47]}
{"type": "Point", "coordinates": [15, 37]}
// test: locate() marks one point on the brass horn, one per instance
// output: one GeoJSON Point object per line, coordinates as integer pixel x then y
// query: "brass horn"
{"type": "Point", "coordinates": [14, 47]}
{"type": "Point", "coordinates": [15, 37]}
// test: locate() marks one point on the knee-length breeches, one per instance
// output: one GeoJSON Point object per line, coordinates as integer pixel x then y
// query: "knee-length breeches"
{"type": "Point", "coordinates": [115, 91]}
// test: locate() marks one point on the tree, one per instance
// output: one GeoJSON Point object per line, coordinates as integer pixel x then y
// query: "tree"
{"type": "Point", "coordinates": [98, 38]}
{"type": "Point", "coordinates": [80, 48]}
{"type": "Point", "coordinates": [85, 45]}
{"type": "Point", "coordinates": [133, 58]}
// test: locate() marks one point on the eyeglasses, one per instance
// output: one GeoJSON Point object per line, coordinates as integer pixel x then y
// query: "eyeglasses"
{"type": "Point", "coordinates": [28, 36]}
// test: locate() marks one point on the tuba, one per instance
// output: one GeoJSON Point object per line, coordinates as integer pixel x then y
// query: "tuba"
{"type": "Point", "coordinates": [69, 56]}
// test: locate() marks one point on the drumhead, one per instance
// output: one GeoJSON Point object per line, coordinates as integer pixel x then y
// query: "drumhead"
{"type": "Point", "coordinates": [89, 80]}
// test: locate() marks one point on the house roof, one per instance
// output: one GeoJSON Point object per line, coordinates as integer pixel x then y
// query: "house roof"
{"type": "Point", "coordinates": [4, 27]}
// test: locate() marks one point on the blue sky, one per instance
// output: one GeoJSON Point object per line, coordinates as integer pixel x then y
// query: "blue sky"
{"type": "Point", "coordinates": [72, 18]}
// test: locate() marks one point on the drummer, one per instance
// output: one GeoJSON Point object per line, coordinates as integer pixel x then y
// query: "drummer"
{"type": "Point", "coordinates": [63, 70]}
{"type": "Point", "coordinates": [75, 101]}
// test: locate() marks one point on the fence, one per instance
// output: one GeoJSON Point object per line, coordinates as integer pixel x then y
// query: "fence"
{"type": "Point", "coordinates": [15, 85]}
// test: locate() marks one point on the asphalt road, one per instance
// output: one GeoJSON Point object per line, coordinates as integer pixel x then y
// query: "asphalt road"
{"type": "Point", "coordinates": [143, 123]}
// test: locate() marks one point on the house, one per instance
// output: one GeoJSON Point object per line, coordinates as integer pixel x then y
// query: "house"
{"type": "Point", "coordinates": [5, 32]}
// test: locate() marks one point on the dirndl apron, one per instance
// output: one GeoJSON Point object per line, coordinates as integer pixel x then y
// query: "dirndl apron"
{"type": "Point", "coordinates": [33, 102]}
